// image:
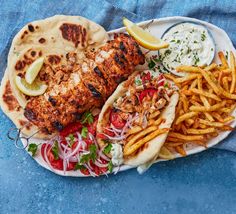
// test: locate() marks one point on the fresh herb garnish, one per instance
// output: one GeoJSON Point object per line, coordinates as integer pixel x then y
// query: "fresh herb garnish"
{"type": "Point", "coordinates": [87, 118]}
{"type": "Point", "coordinates": [151, 64]}
{"type": "Point", "coordinates": [85, 158]}
{"type": "Point", "coordinates": [110, 167]}
{"type": "Point", "coordinates": [79, 166]}
{"type": "Point", "coordinates": [55, 150]}
{"type": "Point", "coordinates": [107, 149]}
{"type": "Point", "coordinates": [197, 60]}
{"type": "Point", "coordinates": [203, 36]}
{"type": "Point", "coordinates": [138, 82]}
{"type": "Point", "coordinates": [173, 40]}
{"type": "Point", "coordinates": [189, 50]}
{"type": "Point", "coordinates": [178, 41]}
{"type": "Point", "coordinates": [195, 42]}
{"type": "Point", "coordinates": [71, 139]}
{"type": "Point", "coordinates": [167, 52]}
{"type": "Point", "coordinates": [227, 55]}
{"type": "Point", "coordinates": [84, 132]}
{"type": "Point", "coordinates": [33, 148]}
{"type": "Point", "coordinates": [158, 60]}
{"type": "Point", "coordinates": [91, 156]}
{"type": "Point", "coordinates": [166, 85]}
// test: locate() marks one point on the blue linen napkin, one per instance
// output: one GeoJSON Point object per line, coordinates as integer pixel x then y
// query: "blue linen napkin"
{"type": "Point", "coordinates": [16, 13]}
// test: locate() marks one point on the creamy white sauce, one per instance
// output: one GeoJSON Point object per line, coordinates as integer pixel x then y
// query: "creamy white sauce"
{"type": "Point", "coordinates": [189, 44]}
{"type": "Point", "coordinates": [117, 154]}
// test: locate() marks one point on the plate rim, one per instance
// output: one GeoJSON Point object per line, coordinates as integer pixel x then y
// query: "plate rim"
{"type": "Point", "coordinates": [196, 150]}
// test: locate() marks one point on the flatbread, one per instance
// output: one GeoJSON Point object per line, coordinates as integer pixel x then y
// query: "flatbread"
{"type": "Point", "coordinates": [15, 112]}
{"type": "Point", "coordinates": [54, 39]}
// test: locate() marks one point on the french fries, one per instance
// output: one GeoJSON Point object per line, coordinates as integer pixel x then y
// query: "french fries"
{"type": "Point", "coordinates": [207, 100]}
{"type": "Point", "coordinates": [128, 150]}
{"type": "Point", "coordinates": [185, 117]}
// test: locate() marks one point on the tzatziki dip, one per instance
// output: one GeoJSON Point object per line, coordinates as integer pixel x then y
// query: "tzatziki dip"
{"type": "Point", "coordinates": [189, 44]}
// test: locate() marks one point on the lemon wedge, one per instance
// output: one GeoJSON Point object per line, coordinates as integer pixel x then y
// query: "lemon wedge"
{"type": "Point", "coordinates": [35, 89]}
{"type": "Point", "coordinates": [165, 153]}
{"type": "Point", "coordinates": [144, 38]}
{"type": "Point", "coordinates": [33, 70]}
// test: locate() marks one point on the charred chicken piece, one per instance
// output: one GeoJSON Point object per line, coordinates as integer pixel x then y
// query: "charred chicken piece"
{"type": "Point", "coordinates": [97, 78]}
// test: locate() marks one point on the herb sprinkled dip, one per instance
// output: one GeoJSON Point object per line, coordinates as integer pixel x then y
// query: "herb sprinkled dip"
{"type": "Point", "coordinates": [189, 44]}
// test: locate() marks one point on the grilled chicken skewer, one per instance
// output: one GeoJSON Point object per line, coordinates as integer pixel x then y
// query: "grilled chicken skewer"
{"type": "Point", "coordinates": [89, 85]}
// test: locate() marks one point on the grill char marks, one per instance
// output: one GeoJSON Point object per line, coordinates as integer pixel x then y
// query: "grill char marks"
{"type": "Point", "coordinates": [74, 33]}
{"type": "Point", "coordinates": [97, 83]}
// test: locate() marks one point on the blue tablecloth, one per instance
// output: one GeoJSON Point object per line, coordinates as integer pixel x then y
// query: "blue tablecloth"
{"type": "Point", "coordinates": [203, 183]}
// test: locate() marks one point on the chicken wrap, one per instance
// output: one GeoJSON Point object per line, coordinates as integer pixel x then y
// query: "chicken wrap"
{"type": "Point", "coordinates": [136, 119]}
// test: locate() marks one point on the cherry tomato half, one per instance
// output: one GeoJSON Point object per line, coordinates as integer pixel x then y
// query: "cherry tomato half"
{"type": "Point", "coordinates": [117, 120]}
{"type": "Point", "coordinates": [71, 128]}
{"type": "Point", "coordinates": [146, 77]}
{"type": "Point", "coordinates": [144, 93]}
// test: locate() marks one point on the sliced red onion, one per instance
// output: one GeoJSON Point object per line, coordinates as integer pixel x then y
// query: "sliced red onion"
{"type": "Point", "coordinates": [92, 138]}
{"type": "Point", "coordinates": [102, 155]}
{"type": "Point", "coordinates": [46, 157]}
{"type": "Point", "coordinates": [114, 128]}
{"type": "Point", "coordinates": [100, 164]}
{"type": "Point", "coordinates": [88, 166]}
{"type": "Point", "coordinates": [114, 138]}
{"type": "Point", "coordinates": [144, 122]}
{"type": "Point", "coordinates": [160, 81]}
{"type": "Point", "coordinates": [81, 140]}
{"type": "Point", "coordinates": [73, 159]}
{"type": "Point", "coordinates": [113, 131]}
{"type": "Point", "coordinates": [65, 147]}
{"type": "Point", "coordinates": [74, 151]}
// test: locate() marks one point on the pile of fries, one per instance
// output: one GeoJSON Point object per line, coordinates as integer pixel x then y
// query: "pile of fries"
{"type": "Point", "coordinates": [207, 100]}
{"type": "Point", "coordinates": [138, 136]}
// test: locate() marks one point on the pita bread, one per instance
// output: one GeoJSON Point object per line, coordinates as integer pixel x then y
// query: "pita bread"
{"type": "Point", "coordinates": [151, 148]}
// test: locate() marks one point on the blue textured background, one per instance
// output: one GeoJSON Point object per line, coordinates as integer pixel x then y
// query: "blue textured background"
{"type": "Point", "coordinates": [202, 183]}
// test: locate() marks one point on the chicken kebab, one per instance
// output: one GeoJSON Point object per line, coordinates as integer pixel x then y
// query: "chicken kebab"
{"type": "Point", "coordinates": [84, 85]}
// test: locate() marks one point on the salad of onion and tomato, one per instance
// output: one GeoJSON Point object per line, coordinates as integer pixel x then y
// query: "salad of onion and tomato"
{"type": "Point", "coordinates": [76, 148]}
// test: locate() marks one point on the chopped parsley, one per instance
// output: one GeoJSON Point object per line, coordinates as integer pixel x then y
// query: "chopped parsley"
{"type": "Point", "coordinates": [71, 139]}
{"type": "Point", "coordinates": [227, 55]}
{"type": "Point", "coordinates": [195, 42]}
{"type": "Point", "coordinates": [203, 36]}
{"type": "Point", "coordinates": [79, 166]}
{"type": "Point", "coordinates": [87, 117]}
{"type": "Point", "coordinates": [84, 132]}
{"type": "Point", "coordinates": [55, 150]}
{"type": "Point", "coordinates": [138, 82]}
{"type": "Point", "coordinates": [91, 156]}
{"type": "Point", "coordinates": [33, 148]}
{"type": "Point", "coordinates": [107, 149]}
{"type": "Point", "coordinates": [166, 85]}
{"type": "Point", "coordinates": [151, 64]}
{"type": "Point", "coordinates": [196, 58]}
{"type": "Point", "coordinates": [157, 60]}
{"type": "Point", "coordinates": [110, 167]}
{"type": "Point", "coordinates": [178, 41]}
{"type": "Point", "coordinates": [173, 40]}
{"type": "Point", "coordinates": [167, 52]}
{"type": "Point", "coordinates": [189, 50]}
